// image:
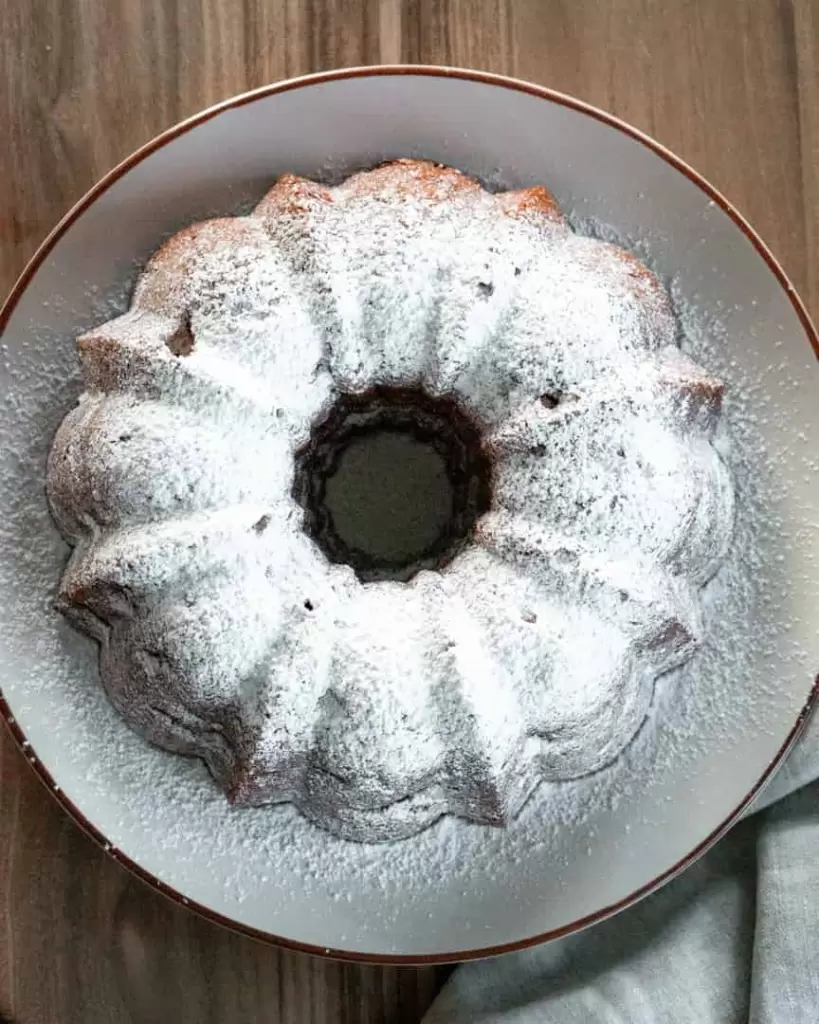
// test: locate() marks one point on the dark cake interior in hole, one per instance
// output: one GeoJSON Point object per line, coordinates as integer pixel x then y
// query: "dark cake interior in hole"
{"type": "Point", "coordinates": [392, 481]}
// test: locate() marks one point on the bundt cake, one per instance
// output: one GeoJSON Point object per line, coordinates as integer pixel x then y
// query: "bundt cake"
{"type": "Point", "coordinates": [239, 483]}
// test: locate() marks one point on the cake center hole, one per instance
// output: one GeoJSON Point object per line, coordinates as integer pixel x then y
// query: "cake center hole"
{"type": "Point", "coordinates": [392, 482]}
{"type": "Point", "coordinates": [390, 496]}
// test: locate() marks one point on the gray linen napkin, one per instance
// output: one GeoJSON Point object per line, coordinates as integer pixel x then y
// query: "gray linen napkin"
{"type": "Point", "coordinates": [733, 940]}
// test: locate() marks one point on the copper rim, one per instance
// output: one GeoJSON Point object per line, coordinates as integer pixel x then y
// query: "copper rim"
{"type": "Point", "coordinates": [488, 79]}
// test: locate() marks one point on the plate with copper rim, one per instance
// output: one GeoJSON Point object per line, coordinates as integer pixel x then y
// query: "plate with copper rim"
{"type": "Point", "coordinates": [719, 729]}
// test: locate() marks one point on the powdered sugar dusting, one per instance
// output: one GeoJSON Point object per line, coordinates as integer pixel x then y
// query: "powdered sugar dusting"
{"type": "Point", "coordinates": [268, 866]}
{"type": "Point", "coordinates": [605, 482]}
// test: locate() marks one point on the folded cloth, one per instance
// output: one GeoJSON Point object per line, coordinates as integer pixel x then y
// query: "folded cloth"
{"type": "Point", "coordinates": [733, 940]}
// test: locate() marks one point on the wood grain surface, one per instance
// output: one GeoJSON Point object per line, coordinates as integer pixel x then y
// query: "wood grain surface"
{"type": "Point", "coordinates": [731, 85]}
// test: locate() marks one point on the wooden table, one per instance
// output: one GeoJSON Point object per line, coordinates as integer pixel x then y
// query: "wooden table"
{"type": "Point", "coordinates": [731, 85]}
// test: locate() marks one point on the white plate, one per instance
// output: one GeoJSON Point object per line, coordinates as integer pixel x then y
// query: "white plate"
{"type": "Point", "coordinates": [580, 851]}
